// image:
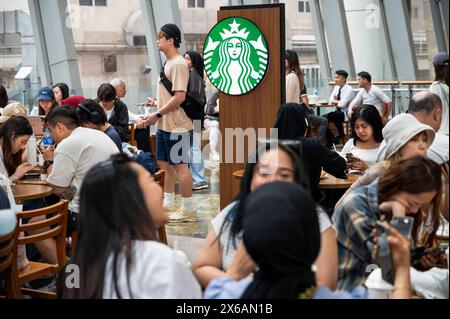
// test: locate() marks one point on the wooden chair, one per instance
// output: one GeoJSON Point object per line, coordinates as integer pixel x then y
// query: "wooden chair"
{"type": "Point", "coordinates": [8, 265]}
{"type": "Point", "coordinates": [58, 222]}
{"type": "Point", "coordinates": [159, 178]}
{"type": "Point", "coordinates": [132, 138]}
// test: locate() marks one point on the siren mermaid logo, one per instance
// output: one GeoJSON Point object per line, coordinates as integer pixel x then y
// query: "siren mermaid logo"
{"type": "Point", "coordinates": [236, 56]}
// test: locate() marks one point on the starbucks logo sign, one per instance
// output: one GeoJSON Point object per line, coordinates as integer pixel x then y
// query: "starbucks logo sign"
{"type": "Point", "coordinates": [236, 56]}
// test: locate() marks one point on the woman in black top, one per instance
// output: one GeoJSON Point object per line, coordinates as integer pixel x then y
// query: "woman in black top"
{"type": "Point", "coordinates": [292, 123]}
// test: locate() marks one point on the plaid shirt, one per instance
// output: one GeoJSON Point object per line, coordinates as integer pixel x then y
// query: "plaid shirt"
{"type": "Point", "coordinates": [353, 220]}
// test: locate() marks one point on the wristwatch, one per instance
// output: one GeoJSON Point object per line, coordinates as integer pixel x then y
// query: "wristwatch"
{"type": "Point", "coordinates": [47, 163]}
{"type": "Point", "coordinates": [158, 115]}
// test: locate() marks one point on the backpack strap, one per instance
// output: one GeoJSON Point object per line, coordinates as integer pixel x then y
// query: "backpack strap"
{"type": "Point", "coordinates": [165, 81]}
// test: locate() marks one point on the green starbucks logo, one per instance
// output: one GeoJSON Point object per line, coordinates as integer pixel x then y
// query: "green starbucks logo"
{"type": "Point", "coordinates": [236, 56]}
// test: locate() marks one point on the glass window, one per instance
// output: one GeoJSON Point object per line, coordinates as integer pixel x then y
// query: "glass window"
{"type": "Point", "coordinates": [307, 6]}
{"type": "Point", "coordinates": [100, 3]}
{"type": "Point", "coordinates": [104, 51]}
{"type": "Point", "coordinates": [415, 13]}
{"type": "Point", "coordinates": [139, 40]}
{"type": "Point", "coordinates": [18, 71]}
{"type": "Point", "coordinates": [424, 37]}
{"type": "Point", "coordinates": [301, 6]}
{"type": "Point", "coordinates": [200, 3]}
{"type": "Point", "coordinates": [191, 3]}
{"type": "Point", "coordinates": [85, 2]}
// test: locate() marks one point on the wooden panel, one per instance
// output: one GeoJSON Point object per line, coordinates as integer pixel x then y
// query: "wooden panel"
{"type": "Point", "coordinates": [258, 108]}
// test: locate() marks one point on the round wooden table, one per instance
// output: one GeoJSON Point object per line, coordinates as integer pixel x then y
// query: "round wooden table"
{"type": "Point", "coordinates": [319, 106]}
{"type": "Point", "coordinates": [32, 181]}
{"type": "Point", "coordinates": [23, 192]}
{"type": "Point", "coordinates": [330, 182]}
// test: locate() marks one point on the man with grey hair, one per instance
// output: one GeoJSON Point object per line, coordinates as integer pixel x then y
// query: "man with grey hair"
{"type": "Point", "coordinates": [141, 130]}
{"type": "Point", "coordinates": [427, 108]}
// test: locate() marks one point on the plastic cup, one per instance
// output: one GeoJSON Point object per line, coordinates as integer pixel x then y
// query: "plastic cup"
{"type": "Point", "coordinates": [44, 177]}
{"type": "Point", "coordinates": [40, 160]}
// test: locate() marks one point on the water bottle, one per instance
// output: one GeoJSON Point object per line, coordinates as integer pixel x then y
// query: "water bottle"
{"type": "Point", "coordinates": [315, 97]}
{"type": "Point", "coordinates": [47, 140]}
{"type": "Point", "coordinates": [31, 151]}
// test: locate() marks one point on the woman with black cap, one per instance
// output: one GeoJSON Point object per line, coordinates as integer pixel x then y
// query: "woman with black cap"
{"type": "Point", "coordinates": [281, 236]}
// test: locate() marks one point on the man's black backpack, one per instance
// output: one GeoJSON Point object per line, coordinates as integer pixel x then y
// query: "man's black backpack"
{"type": "Point", "coordinates": [194, 104]}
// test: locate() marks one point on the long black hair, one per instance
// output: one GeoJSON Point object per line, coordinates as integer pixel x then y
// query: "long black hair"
{"type": "Point", "coordinates": [294, 65]}
{"type": "Point", "coordinates": [14, 127]}
{"type": "Point", "coordinates": [4, 100]}
{"type": "Point", "coordinates": [441, 73]}
{"type": "Point", "coordinates": [197, 62]}
{"type": "Point", "coordinates": [113, 214]}
{"type": "Point", "coordinates": [235, 216]}
{"type": "Point", "coordinates": [369, 114]}
{"type": "Point", "coordinates": [64, 90]}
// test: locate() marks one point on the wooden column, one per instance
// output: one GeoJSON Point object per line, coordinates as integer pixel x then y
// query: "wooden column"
{"type": "Point", "coordinates": [256, 109]}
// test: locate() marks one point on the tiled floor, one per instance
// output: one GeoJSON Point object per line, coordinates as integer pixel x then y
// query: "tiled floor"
{"type": "Point", "coordinates": [188, 237]}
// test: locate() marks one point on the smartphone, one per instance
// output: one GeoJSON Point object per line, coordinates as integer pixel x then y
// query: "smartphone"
{"type": "Point", "coordinates": [31, 175]}
{"type": "Point", "coordinates": [349, 157]}
{"type": "Point", "coordinates": [404, 225]}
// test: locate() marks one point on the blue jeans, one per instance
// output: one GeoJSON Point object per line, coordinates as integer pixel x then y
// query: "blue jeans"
{"type": "Point", "coordinates": [196, 163]}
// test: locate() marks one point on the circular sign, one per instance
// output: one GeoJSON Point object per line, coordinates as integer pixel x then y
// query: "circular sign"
{"type": "Point", "coordinates": [236, 56]}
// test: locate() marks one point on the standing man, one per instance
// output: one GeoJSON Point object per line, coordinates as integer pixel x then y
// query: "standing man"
{"type": "Point", "coordinates": [173, 135]}
{"type": "Point", "coordinates": [341, 97]}
{"type": "Point", "coordinates": [371, 95]}
{"type": "Point", "coordinates": [141, 130]}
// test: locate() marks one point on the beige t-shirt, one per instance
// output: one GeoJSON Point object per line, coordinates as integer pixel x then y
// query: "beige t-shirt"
{"type": "Point", "coordinates": [292, 88]}
{"type": "Point", "coordinates": [75, 156]}
{"type": "Point", "coordinates": [177, 72]}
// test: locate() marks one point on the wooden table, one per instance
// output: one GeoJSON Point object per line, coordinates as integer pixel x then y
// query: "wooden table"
{"type": "Point", "coordinates": [23, 192]}
{"type": "Point", "coordinates": [238, 174]}
{"type": "Point", "coordinates": [318, 106]}
{"type": "Point", "coordinates": [32, 181]}
{"type": "Point", "coordinates": [330, 182]}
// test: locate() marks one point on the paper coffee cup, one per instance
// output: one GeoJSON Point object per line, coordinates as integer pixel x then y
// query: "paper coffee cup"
{"type": "Point", "coordinates": [377, 287]}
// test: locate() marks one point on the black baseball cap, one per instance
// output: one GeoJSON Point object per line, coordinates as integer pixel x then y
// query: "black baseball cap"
{"type": "Point", "coordinates": [172, 31]}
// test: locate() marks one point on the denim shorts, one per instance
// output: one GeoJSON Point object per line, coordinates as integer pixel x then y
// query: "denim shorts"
{"type": "Point", "coordinates": [173, 148]}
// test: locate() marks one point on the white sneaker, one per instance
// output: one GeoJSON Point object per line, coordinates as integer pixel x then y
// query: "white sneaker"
{"type": "Point", "coordinates": [170, 208]}
{"type": "Point", "coordinates": [181, 216]}
{"type": "Point", "coordinates": [214, 157]}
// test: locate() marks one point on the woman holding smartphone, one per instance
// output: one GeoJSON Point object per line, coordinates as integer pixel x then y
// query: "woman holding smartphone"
{"type": "Point", "coordinates": [366, 138]}
{"type": "Point", "coordinates": [406, 187]}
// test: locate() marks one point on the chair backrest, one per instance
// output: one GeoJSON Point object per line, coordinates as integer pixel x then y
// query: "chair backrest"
{"type": "Point", "coordinates": [132, 138]}
{"type": "Point", "coordinates": [8, 265]}
{"type": "Point", "coordinates": [57, 224]}
{"type": "Point", "coordinates": [159, 178]}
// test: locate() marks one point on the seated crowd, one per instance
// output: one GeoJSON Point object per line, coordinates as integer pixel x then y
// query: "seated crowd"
{"type": "Point", "coordinates": [276, 239]}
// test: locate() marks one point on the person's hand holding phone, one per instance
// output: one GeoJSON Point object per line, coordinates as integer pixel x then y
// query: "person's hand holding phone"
{"type": "Point", "coordinates": [150, 102]}
{"type": "Point", "coordinates": [358, 164]}
{"type": "Point", "coordinates": [400, 250]}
